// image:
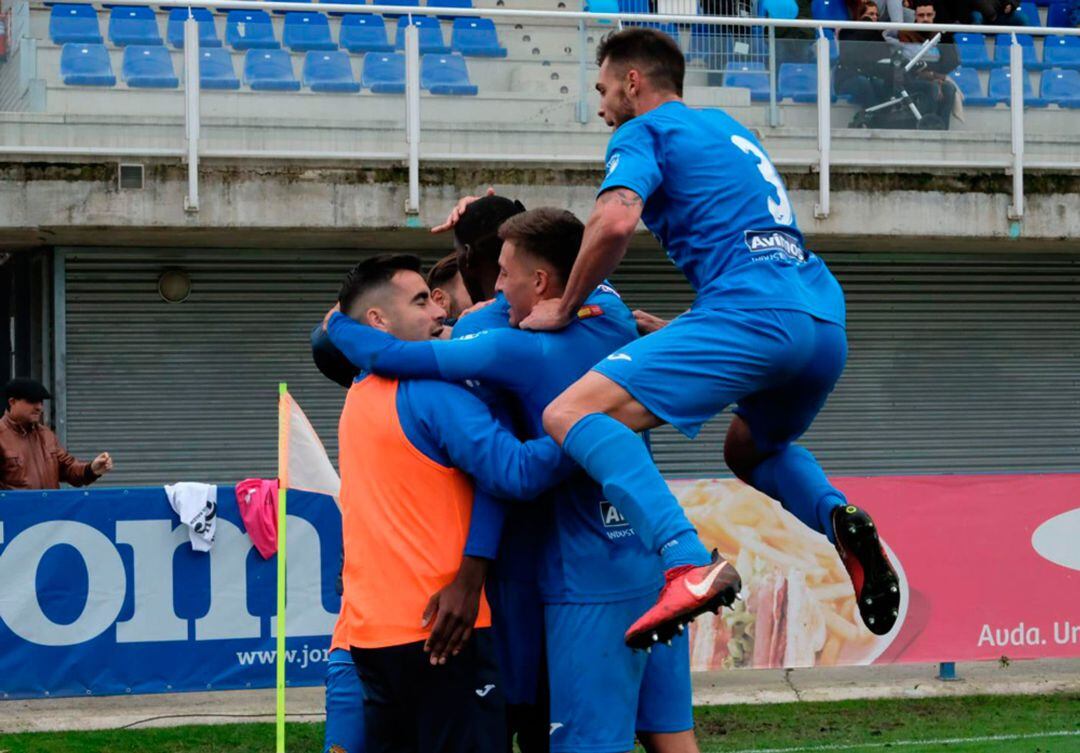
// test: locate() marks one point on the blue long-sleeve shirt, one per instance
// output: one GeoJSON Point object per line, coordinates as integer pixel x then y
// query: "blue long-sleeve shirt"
{"type": "Point", "coordinates": [590, 552]}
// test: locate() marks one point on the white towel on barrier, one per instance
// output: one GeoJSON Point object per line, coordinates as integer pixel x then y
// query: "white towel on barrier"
{"type": "Point", "coordinates": [196, 504]}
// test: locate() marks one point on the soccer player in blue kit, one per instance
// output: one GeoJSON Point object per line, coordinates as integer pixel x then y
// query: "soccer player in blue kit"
{"type": "Point", "coordinates": [766, 332]}
{"type": "Point", "coordinates": [595, 575]}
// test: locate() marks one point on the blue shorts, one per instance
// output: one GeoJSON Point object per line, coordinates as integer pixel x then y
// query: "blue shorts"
{"type": "Point", "coordinates": [344, 705]}
{"type": "Point", "coordinates": [601, 691]}
{"type": "Point", "coordinates": [779, 366]}
{"type": "Point", "coordinates": [517, 626]}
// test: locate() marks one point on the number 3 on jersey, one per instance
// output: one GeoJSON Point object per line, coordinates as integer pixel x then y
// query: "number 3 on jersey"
{"type": "Point", "coordinates": [780, 210]}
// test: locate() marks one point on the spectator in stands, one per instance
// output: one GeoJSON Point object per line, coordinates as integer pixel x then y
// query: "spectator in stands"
{"type": "Point", "coordinates": [934, 91]}
{"type": "Point", "coordinates": [448, 289]}
{"type": "Point", "coordinates": [999, 13]}
{"type": "Point", "coordinates": [861, 72]}
{"type": "Point", "coordinates": [30, 454]}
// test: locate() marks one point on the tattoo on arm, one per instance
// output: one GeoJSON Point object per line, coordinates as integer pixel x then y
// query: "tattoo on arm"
{"type": "Point", "coordinates": [624, 196]}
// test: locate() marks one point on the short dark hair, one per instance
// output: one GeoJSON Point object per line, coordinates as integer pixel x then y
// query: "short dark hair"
{"type": "Point", "coordinates": [652, 52]}
{"type": "Point", "coordinates": [478, 230]}
{"type": "Point", "coordinates": [442, 271]}
{"type": "Point", "coordinates": [553, 235]}
{"type": "Point", "coordinates": [373, 273]}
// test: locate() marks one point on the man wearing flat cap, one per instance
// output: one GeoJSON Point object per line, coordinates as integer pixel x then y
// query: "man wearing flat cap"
{"type": "Point", "coordinates": [30, 454]}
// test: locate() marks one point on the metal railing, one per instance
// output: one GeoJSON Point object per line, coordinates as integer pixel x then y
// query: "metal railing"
{"type": "Point", "coordinates": [191, 152]}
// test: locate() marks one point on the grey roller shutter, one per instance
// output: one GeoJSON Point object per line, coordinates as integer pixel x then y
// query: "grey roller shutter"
{"type": "Point", "coordinates": [188, 391]}
{"type": "Point", "coordinates": [958, 364]}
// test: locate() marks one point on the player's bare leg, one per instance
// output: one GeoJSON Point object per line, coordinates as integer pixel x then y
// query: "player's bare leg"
{"type": "Point", "coordinates": [669, 742]}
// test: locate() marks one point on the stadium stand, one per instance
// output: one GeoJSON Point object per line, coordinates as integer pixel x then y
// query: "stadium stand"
{"type": "Point", "coordinates": [86, 65]}
{"type": "Point", "coordinates": [250, 30]}
{"type": "Point", "coordinates": [346, 2]}
{"type": "Point", "coordinates": [1030, 12]}
{"type": "Point", "coordinates": [999, 88]}
{"type": "Point", "coordinates": [972, 50]}
{"type": "Point", "coordinates": [967, 81]}
{"type": "Point", "coordinates": [400, 3]}
{"type": "Point", "coordinates": [797, 82]}
{"type": "Point", "coordinates": [133, 25]}
{"type": "Point", "coordinates": [1001, 50]}
{"type": "Point", "coordinates": [284, 12]}
{"type": "Point", "coordinates": [307, 31]}
{"type": "Point", "coordinates": [1062, 52]}
{"type": "Point", "coordinates": [384, 73]}
{"type": "Point", "coordinates": [446, 74]}
{"type": "Point", "coordinates": [633, 6]}
{"type": "Point", "coordinates": [429, 31]}
{"type": "Point", "coordinates": [752, 76]}
{"type": "Point", "coordinates": [1061, 87]}
{"type": "Point", "coordinates": [148, 67]}
{"type": "Point", "coordinates": [269, 70]}
{"type": "Point", "coordinates": [174, 31]}
{"type": "Point", "coordinates": [449, 4]}
{"type": "Point", "coordinates": [329, 72]}
{"type": "Point", "coordinates": [829, 10]}
{"type": "Point", "coordinates": [76, 23]}
{"type": "Point", "coordinates": [1060, 15]}
{"type": "Point", "coordinates": [364, 33]}
{"type": "Point", "coordinates": [476, 37]}
{"type": "Point", "coordinates": [216, 69]}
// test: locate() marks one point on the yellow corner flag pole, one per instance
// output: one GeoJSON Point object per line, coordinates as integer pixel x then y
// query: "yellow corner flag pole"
{"type": "Point", "coordinates": [283, 483]}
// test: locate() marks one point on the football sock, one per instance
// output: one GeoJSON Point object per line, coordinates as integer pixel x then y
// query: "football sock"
{"type": "Point", "coordinates": [794, 479]}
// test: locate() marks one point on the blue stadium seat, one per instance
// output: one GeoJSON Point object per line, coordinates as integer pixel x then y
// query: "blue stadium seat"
{"type": "Point", "coordinates": [829, 10]}
{"type": "Point", "coordinates": [1031, 12]}
{"type": "Point", "coordinates": [250, 30]}
{"type": "Point", "coordinates": [449, 4]}
{"type": "Point", "coordinates": [133, 25]}
{"type": "Point", "coordinates": [74, 23]}
{"type": "Point", "coordinates": [174, 32]}
{"type": "Point", "coordinates": [216, 69]}
{"type": "Point", "coordinates": [633, 6]}
{"type": "Point", "coordinates": [476, 37]}
{"type": "Point", "coordinates": [384, 72]}
{"type": "Point", "coordinates": [329, 72]}
{"type": "Point", "coordinates": [430, 33]}
{"type": "Point", "coordinates": [148, 67]}
{"type": "Point", "coordinates": [362, 32]}
{"type": "Point", "coordinates": [86, 65]}
{"type": "Point", "coordinates": [1027, 44]}
{"type": "Point", "coordinates": [307, 31]}
{"type": "Point", "coordinates": [401, 3]}
{"type": "Point", "coordinates": [1061, 52]}
{"type": "Point", "coordinates": [797, 82]}
{"type": "Point", "coordinates": [967, 81]}
{"type": "Point", "coordinates": [602, 6]}
{"type": "Point", "coordinates": [1061, 87]}
{"type": "Point", "coordinates": [445, 74]}
{"type": "Point", "coordinates": [1059, 16]}
{"type": "Point", "coordinates": [749, 75]}
{"type": "Point", "coordinates": [1000, 88]}
{"type": "Point", "coordinates": [972, 50]}
{"type": "Point", "coordinates": [269, 70]}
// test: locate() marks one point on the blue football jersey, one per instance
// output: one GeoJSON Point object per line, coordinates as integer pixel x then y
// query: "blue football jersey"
{"type": "Point", "coordinates": [721, 211]}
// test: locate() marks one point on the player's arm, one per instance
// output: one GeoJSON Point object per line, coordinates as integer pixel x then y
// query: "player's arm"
{"type": "Point", "coordinates": [499, 357]}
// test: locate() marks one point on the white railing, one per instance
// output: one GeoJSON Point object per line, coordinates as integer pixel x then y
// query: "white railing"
{"type": "Point", "coordinates": [191, 152]}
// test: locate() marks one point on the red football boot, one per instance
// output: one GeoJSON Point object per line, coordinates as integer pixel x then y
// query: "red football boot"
{"type": "Point", "coordinates": [690, 590]}
{"type": "Point", "coordinates": [877, 588]}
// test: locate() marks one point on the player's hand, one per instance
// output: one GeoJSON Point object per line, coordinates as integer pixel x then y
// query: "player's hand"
{"type": "Point", "coordinates": [647, 323]}
{"type": "Point", "coordinates": [546, 316]}
{"type": "Point", "coordinates": [458, 210]}
{"type": "Point", "coordinates": [476, 307]}
{"type": "Point", "coordinates": [330, 313]}
{"type": "Point", "coordinates": [102, 464]}
{"type": "Point", "coordinates": [453, 611]}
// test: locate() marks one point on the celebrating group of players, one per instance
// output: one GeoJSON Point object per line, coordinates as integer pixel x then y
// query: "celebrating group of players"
{"type": "Point", "coordinates": [515, 565]}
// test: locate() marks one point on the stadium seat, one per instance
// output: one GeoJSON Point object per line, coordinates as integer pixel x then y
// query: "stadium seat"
{"type": "Point", "coordinates": [269, 70]}
{"type": "Point", "coordinates": [329, 72]}
{"type": "Point", "coordinates": [76, 23]}
{"type": "Point", "coordinates": [752, 76]}
{"type": "Point", "coordinates": [1061, 87]}
{"type": "Point", "coordinates": [1060, 16]}
{"type": "Point", "coordinates": [216, 69]}
{"type": "Point", "coordinates": [476, 37]}
{"type": "Point", "coordinates": [362, 32]}
{"type": "Point", "coordinates": [633, 6]}
{"type": "Point", "coordinates": [1031, 12]}
{"type": "Point", "coordinates": [1027, 44]}
{"type": "Point", "coordinates": [797, 82]}
{"type": "Point", "coordinates": [384, 73]}
{"type": "Point", "coordinates": [829, 10]}
{"type": "Point", "coordinates": [967, 81]}
{"type": "Point", "coordinates": [1061, 52]}
{"type": "Point", "coordinates": [445, 74]}
{"type": "Point", "coordinates": [602, 6]}
{"type": "Point", "coordinates": [148, 67]}
{"type": "Point", "coordinates": [250, 30]}
{"type": "Point", "coordinates": [307, 31]}
{"type": "Point", "coordinates": [174, 32]}
{"type": "Point", "coordinates": [971, 49]}
{"type": "Point", "coordinates": [430, 33]}
{"type": "Point", "coordinates": [449, 4]}
{"type": "Point", "coordinates": [1001, 91]}
{"type": "Point", "coordinates": [133, 25]}
{"type": "Point", "coordinates": [86, 65]}
{"type": "Point", "coordinates": [401, 3]}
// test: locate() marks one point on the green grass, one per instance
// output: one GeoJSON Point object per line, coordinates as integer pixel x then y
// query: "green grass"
{"type": "Point", "coordinates": [868, 725]}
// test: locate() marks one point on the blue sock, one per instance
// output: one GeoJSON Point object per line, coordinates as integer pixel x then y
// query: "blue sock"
{"type": "Point", "coordinates": [619, 461]}
{"type": "Point", "coordinates": [794, 479]}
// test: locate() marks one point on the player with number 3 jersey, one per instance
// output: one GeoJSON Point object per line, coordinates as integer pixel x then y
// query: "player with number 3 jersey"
{"type": "Point", "coordinates": [766, 334]}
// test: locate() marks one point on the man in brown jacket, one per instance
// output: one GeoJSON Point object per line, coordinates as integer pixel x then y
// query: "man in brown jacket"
{"type": "Point", "coordinates": [30, 454]}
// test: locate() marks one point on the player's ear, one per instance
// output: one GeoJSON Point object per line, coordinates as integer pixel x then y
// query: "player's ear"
{"type": "Point", "coordinates": [374, 318]}
{"type": "Point", "coordinates": [541, 281]}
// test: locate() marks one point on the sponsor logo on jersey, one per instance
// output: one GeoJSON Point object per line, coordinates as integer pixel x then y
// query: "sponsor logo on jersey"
{"type": "Point", "coordinates": [774, 245]}
{"type": "Point", "coordinates": [611, 516]}
{"type": "Point", "coordinates": [612, 163]}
